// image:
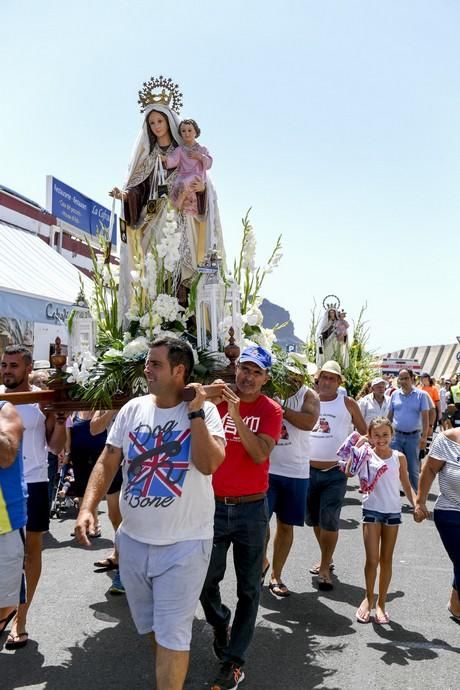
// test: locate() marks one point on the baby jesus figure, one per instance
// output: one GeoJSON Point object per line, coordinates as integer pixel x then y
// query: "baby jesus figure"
{"type": "Point", "coordinates": [191, 161]}
{"type": "Point", "coordinates": [341, 327]}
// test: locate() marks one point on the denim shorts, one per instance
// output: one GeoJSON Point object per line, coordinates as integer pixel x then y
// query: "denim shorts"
{"type": "Point", "coordinates": [286, 497]}
{"type": "Point", "coordinates": [163, 586]}
{"type": "Point", "coordinates": [389, 519]}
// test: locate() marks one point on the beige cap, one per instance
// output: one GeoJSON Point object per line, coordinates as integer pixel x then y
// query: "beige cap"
{"type": "Point", "coordinates": [331, 367]}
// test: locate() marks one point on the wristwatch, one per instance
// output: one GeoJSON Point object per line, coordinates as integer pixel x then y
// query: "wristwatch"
{"type": "Point", "coordinates": [197, 413]}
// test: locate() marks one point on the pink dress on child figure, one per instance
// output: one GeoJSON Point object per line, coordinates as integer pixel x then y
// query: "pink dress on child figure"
{"type": "Point", "coordinates": [188, 171]}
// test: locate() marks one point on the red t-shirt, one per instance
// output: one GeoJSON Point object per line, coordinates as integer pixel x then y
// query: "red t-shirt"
{"type": "Point", "coordinates": [239, 475]}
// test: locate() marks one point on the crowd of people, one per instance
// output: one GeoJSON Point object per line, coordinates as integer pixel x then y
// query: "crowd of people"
{"type": "Point", "coordinates": [185, 481]}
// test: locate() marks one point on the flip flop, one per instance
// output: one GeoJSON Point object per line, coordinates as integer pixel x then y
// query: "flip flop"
{"type": "Point", "coordinates": [314, 570]}
{"type": "Point", "coordinates": [279, 589]}
{"type": "Point", "coordinates": [324, 585]}
{"type": "Point", "coordinates": [15, 641]}
{"type": "Point", "coordinates": [106, 564]}
{"type": "Point", "coordinates": [4, 622]}
{"type": "Point", "coordinates": [363, 616]}
{"type": "Point", "coordinates": [382, 620]}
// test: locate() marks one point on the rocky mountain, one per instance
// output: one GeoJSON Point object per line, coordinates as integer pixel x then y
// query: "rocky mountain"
{"type": "Point", "coordinates": [274, 314]}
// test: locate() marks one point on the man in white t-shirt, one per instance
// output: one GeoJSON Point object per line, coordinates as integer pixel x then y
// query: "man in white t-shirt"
{"type": "Point", "coordinates": [288, 475]}
{"type": "Point", "coordinates": [170, 449]}
{"type": "Point", "coordinates": [376, 403]}
{"type": "Point", "coordinates": [42, 432]}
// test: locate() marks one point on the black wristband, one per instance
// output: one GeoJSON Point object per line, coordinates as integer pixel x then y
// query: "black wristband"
{"type": "Point", "coordinates": [196, 414]}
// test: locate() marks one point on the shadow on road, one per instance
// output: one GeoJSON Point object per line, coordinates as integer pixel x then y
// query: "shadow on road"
{"type": "Point", "coordinates": [403, 646]}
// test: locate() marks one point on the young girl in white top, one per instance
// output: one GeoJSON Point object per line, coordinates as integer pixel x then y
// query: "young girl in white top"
{"type": "Point", "coordinates": [381, 519]}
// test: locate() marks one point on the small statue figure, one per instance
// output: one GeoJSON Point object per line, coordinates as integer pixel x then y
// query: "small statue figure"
{"type": "Point", "coordinates": [191, 162]}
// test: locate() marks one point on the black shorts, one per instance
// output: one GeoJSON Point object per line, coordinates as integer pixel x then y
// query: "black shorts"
{"type": "Point", "coordinates": [82, 468]}
{"type": "Point", "coordinates": [38, 519]}
{"type": "Point", "coordinates": [116, 483]}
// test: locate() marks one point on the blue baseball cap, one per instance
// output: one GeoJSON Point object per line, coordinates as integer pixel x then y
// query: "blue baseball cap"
{"type": "Point", "coordinates": [257, 355]}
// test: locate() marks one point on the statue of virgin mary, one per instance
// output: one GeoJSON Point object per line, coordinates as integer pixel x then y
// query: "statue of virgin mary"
{"type": "Point", "coordinates": [146, 189]}
{"type": "Point", "coordinates": [331, 335]}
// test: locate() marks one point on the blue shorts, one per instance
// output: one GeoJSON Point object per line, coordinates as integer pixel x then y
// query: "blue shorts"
{"type": "Point", "coordinates": [389, 519]}
{"type": "Point", "coordinates": [287, 497]}
{"type": "Point", "coordinates": [326, 491]}
{"type": "Point", "coordinates": [163, 585]}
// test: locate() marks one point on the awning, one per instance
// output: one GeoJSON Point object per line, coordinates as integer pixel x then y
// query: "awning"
{"type": "Point", "coordinates": [36, 283]}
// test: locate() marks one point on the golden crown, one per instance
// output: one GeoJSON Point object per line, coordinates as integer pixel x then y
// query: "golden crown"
{"type": "Point", "coordinates": [160, 90]}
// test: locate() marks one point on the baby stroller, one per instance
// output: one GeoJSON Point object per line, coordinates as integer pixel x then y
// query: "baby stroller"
{"type": "Point", "coordinates": [61, 498]}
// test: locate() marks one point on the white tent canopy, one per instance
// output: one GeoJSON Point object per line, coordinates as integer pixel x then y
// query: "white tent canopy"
{"type": "Point", "coordinates": [36, 283]}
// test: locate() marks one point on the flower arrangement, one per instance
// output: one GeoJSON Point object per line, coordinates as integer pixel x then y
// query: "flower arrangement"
{"type": "Point", "coordinates": [155, 307]}
{"type": "Point", "coordinates": [250, 279]}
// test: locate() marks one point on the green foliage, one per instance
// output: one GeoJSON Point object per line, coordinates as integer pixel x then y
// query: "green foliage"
{"type": "Point", "coordinates": [283, 382]}
{"type": "Point", "coordinates": [105, 296]}
{"type": "Point", "coordinates": [360, 367]}
{"type": "Point", "coordinates": [310, 347]}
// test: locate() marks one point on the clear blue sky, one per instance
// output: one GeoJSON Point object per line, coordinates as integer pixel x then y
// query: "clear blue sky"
{"type": "Point", "coordinates": [337, 121]}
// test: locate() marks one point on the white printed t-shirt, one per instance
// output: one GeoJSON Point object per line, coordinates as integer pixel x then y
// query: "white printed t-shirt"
{"type": "Point", "coordinates": [164, 499]}
{"type": "Point", "coordinates": [290, 456]}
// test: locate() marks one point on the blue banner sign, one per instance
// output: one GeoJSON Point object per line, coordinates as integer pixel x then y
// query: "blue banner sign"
{"type": "Point", "coordinates": [78, 210]}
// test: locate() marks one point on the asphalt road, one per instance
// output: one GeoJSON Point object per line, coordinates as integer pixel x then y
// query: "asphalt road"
{"type": "Point", "coordinates": [82, 637]}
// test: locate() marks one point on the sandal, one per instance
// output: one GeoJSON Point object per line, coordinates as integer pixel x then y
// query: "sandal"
{"type": "Point", "coordinates": [4, 622]}
{"type": "Point", "coordinates": [15, 641]}
{"type": "Point", "coordinates": [382, 620]}
{"type": "Point", "coordinates": [324, 584]}
{"type": "Point", "coordinates": [106, 564]}
{"type": "Point", "coordinates": [314, 570]}
{"type": "Point", "coordinates": [279, 589]}
{"type": "Point", "coordinates": [363, 616]}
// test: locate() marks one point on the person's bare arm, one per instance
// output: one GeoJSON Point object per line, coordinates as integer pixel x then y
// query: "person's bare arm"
{"type": "Point", "coordinates": [100, 479]}
{"type": "Point", "coordinates": [307, 417]}
{"type": "Point", "coordinates": [100, 421]}
{"type": "Point", "coordinates": [404, 479]}
{"type": "Point", "coordinates": [11, 429]}
{"type": "Point", "coordinates": [430, 469]}
{"type": "Point", "coordinates": [55, 431]}
{"type": "Point", "coordinates": [258, 446]}
{"type": "Point", "coordinates": [425, 427]}
{"type": "Point", "coordinates": [356, 416]}
{"type": "Point", "coordinates": [207, 451]}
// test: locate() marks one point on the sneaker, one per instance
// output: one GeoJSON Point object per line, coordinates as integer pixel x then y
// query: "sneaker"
{"type": "Point", "coordinates": [230, 676]}
{"type": "Point", "coordinates": [117, 585]}
{"type": "Point", "coordinates": [220, 642]}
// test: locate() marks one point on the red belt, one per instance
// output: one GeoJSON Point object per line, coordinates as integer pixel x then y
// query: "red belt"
{"type": "Point", "coordinates": [234, 500]}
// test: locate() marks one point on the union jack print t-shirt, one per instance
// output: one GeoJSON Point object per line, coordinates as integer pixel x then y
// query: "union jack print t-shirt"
{"type": "Point", "coordinates": [164, 498]}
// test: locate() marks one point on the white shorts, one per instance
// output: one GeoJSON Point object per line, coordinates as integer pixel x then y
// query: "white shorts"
{"type": "Point", "coordinates": [163, 585]}
{"type": "Point", "coordinates": [11, 568]}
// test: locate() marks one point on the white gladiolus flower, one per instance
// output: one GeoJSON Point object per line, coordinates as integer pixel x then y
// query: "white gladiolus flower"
{"type": "Point", "coordinates": [135, 276]}
{"type": "Point", "coordinates": [145, 321]}
{"type": "Point", "coordinates": [112, 352]}
{"type": "Point", "coordinates": [132, 314]}
{"type": "Point", "coordinates": [138, 346]}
